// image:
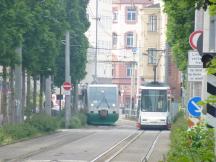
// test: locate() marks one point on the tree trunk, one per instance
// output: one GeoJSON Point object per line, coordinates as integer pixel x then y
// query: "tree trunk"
{"type": "Point", "coordinates": [23, 102]}
{"type": "Point", "coordinates": [35, 95]}
{"type": "Point", "coordinates": [4, 96]}
{"type": "Point", "coordinates": [28, 96]}
{"type": "Point", "coordinates": [41, 94]}
{"type": "Point", "coordinates": [18, 86]}
{"type": "Point", "coordinates": [48, 95]}
{"type": "Point", "coordinates": [11, 107]}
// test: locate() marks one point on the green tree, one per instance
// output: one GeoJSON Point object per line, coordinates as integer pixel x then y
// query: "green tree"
{"type": "Point", "coordinates": [42, 41]}
{"type": "Point", "coordinates": [78, 25]}
{"type": "Point", "coordinates": [181, 19]}
{"type": "Point", "coordinates": [15, 20]}
{"type": "Point", "coordinates": [212, 7]}
{"type": "Point", "coordinates": [181, 24]}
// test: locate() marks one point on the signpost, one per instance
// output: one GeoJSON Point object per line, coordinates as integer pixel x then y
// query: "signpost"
{"type": "Point", "coordinates": [193, 108]}
{"type": "Point", "coordinates": [67, 87]}
{"type": "Point", "coordinates": [194, 59]}
{"type": "Point", "coordinates": [195, 111]}
{"type": "Point", "coordinates": [195, 74]}
{"type": "Point", "coordinates": [194, 36]}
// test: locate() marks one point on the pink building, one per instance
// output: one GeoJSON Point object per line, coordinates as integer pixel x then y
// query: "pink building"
{"type": "Point", "coordinates": [138, 45]}
{"type": "Point", "coordinates": [127, 39]}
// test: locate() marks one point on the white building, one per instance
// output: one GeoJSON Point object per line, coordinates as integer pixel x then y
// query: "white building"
{"type": "Point", "coordinates": [102, 20]}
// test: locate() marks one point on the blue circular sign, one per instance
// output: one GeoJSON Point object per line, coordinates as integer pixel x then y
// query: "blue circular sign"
{"type": "Point", "coordinates": [193, 108]}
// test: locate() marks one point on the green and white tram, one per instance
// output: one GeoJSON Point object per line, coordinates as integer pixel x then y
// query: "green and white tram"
{"type": "Point", "coordinates": [103, 107]}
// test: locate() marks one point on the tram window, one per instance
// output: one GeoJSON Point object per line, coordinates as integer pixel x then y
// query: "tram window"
{"type": "Point", "coordinates": [160, 103]}
{"type": "Point", "coordinates": [154, 101]}
{"type": "Point", "coordinates": [102, 96]}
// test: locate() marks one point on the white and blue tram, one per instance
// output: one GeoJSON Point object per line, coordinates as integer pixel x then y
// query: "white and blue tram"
{"type": "Point", "coordinates": [103, 107]}
{"type": "Point", "coordinates": [154, 109]}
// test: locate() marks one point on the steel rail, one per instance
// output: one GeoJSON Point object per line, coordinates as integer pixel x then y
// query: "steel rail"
{"type": "Point", "coordinates": [115, 150]}
{"type": "Point", "coordinates": [151, 149]}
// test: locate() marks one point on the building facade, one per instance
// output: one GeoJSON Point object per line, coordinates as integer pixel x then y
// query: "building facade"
{"type": "Point", "coordinates": [99, 34]}
{"type": "Point", "coordinates": [127, 42]}
{"type": "Point", "coordinates": [138, 42]}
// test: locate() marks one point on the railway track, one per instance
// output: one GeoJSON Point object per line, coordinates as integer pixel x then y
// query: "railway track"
{"type": "Point", "coordinates": [113, 153]}
{"type": "Point", "coordinates": [97, 145]}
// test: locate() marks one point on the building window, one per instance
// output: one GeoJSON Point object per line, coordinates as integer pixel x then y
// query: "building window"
{"type": "Point", "coordinates": [131, 15]}
{"type": "Point", "coordinates": [152, 24]}
{"type": "Point", "coordinates": [115, 16]}
{"type": "Point", "coordinates": [152, 56]}
{"type": "Point", "coordinates": [130, 40]}
{"type": "Point", "coordinates": [114, 39]}
{"type": "Point", "coordinates": [129, 70]}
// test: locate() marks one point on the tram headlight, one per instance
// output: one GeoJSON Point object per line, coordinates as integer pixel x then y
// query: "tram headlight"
{"type": "Point", "coordinates": [113, 105]}
{"type": "Point", "coordinates": [92, 105]}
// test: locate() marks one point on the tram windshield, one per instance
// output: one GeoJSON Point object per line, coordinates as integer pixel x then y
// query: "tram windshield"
{"type": "Point", "coordinates": [154, 100]}
{"type": "Point", "coordinates": [102, 96]}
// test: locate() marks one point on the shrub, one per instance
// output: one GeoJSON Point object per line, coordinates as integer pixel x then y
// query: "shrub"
{"type": "Point", "coordinates": [83, 118]}
{"type": "Point", "coordinates": [78, 120]}
{"type": "Point", "coordinates": [1, 135]}
{"type": "Point", "coordinates": [44, 123]}
{"type": "Point", "coordinates": [13, 132]}
{"type": "Point", "coordinates": [190, 145]}
{"type": "Point", "coordinates": [75, 122]}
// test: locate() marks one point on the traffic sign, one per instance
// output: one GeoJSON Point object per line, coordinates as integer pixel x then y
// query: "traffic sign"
{"type": "Point", "coordinates": [67, 86]}
{"type": "Point", "coordinates": [194, 36]}
{"type": "Point", "coordinates": [194, 59]}
{"type": "Point", "coordinates": [193, 108]}
{"type": "Point", "coordinates": [134, 50]}
{"type": "Point", "coordinates": [195, 74]}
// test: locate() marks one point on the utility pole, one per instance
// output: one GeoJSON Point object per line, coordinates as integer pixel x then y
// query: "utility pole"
{"type": "Point", "coordinates": [48, 96]}
{"type": "Point", "coordinates": [96, 42]}
{"type": "Point", "coordinates": [18, 87]}
{"type": "Point", "coordinates": [166, 64]}
{"type": "Point", "coordinates": [132, 99]}
{"type": "Point", "coordinates": [156, 62]}
{"type": "Point", "coordinates": [131, 96]}
{"type": "Point", "coordinates": [67, 79]}
{"type": "Point", "coordinates": [155, 72]}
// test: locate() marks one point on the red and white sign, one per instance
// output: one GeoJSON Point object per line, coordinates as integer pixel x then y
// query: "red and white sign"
{"type": "Point", "coordinates": [194, 38]}
{"type": "Point", "coordinates": [67, 86]}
